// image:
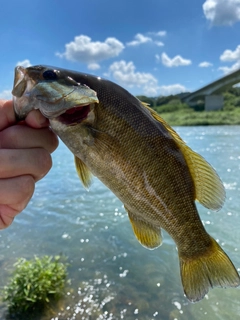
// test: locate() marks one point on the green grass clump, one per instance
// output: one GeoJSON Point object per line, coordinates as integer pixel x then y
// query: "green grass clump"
{"type": "Point", "coordinates": [34, 283]}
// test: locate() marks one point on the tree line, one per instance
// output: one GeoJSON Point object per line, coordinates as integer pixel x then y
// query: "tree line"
{"type": "Point", "coordinates": [172, 103]}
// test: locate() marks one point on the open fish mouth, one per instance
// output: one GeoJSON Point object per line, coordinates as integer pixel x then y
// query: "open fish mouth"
{"type": "Point", "coordinates": [74, 115]}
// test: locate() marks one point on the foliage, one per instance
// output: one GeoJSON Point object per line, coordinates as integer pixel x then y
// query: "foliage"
{"type": "Point", "coordinates": [198, 106]}
{"type": "Point", "coordinates": [229, 101]}
{"type": "Point", "coordinates": [34, 283]}
{"type": "Point", "coordinates": [177, 113]}
{"type": "Point", "coordinates": [172, 106]}
{"type": "Point", "coordinates": [235, 91]}
{"type": "Point", "coordinates": [203, 118]}
{"type": "Point", "coordinates": [164, 100]}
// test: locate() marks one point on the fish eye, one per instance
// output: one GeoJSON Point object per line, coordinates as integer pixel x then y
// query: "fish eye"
{"type": "Point", "coordinates": [49, 75]}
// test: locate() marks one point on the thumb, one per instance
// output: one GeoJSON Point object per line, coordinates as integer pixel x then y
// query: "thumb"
{"type": "Point", "coordinates": [7, 115]}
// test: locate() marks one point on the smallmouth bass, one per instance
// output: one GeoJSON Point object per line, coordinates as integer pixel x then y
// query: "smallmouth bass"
{"type": "Point", "coordinates": [140, 158]}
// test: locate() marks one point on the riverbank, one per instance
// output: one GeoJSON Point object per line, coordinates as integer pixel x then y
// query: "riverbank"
{"type": "Point", "coordinates": [189, 117]}
{"type": "Point", "coordinates": [176, 113]}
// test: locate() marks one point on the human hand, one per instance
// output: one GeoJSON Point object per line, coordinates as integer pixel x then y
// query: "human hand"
{"type": "Point", "coordinates": [25, 158]}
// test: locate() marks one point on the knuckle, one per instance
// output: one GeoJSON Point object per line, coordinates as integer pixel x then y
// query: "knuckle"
{"type": "Point", "coordinates": [26, 186]}
{"type": "Point", "coordinates": [53, 142]}
{"type": "Point", "coordinates": [44, 163]}
{"type": "Point", "coordinates": [9, 134]}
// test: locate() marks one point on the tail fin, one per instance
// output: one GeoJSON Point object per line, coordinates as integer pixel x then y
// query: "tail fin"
{"type": "Point", "coordinates": [213, 269]}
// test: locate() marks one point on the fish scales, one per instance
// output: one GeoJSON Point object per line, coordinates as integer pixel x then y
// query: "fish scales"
{"type": "Point", "coordinates": [138, 156]}
{"type": "Point", "coordinates": [127, 161]}
{"type": "Point", "coordinates": [152, 155]}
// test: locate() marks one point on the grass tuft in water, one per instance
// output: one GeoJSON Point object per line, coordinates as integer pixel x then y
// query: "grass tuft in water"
{"type": "Point", "coordinates": [34, 283]}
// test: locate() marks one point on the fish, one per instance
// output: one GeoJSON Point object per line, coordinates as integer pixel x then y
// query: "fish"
{"type": "Point", "coordinates": [141, 159]}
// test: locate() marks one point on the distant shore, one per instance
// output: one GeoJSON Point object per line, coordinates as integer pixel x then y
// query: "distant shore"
{"type": "Point", "coordinates": [177, 113]}
{"type": "Point", "coordinates": [203, 118]}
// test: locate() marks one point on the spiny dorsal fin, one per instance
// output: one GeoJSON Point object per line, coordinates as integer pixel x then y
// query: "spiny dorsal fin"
{"type": "Point", "coordinates": [145, 104]}
{"type": "Point", "coordinates": [209, 189]}
{"type": "Point", "coordinates": [83, 172]}
{"type": "Point", "coordinates": [148, 235]}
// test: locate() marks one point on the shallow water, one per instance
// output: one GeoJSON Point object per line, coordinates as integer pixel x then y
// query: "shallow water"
{"type": "Point", "coordinates": [112, 275]}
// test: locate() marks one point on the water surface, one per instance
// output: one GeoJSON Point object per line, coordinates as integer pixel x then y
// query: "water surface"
{"type": "Point", "coordinates": [112, 275]}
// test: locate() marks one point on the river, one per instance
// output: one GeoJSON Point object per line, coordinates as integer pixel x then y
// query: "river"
{"type": "Point", "coordinates": [112, 275]}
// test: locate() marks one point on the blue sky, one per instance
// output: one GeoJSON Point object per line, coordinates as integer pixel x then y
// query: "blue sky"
{"type": "Point", "coordinates": [150, 47]}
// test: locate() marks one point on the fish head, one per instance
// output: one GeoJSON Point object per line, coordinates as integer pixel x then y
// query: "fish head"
{"type": "Point", "coordinates": [53, 92]}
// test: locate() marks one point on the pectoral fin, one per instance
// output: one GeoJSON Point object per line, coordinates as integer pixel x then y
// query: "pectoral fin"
{"type": "Point", "coordinates": [83, 172]}
{"type": "Point", "coordinates": [209, 189]}
{"type": "Point", "coordinates": [148, 235]}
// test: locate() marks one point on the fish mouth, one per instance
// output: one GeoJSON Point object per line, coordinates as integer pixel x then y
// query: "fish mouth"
{"type": "Point", "coordinates": [74, 115]}
{"type": "Point", "coordinates": [62, 99]}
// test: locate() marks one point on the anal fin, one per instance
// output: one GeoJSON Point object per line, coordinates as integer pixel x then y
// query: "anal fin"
{"type": "Point", "coordinates": [148, 235]}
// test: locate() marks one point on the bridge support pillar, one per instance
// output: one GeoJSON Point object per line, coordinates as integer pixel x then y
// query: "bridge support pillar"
{"type": "Point", "coordinates": [213, 102]}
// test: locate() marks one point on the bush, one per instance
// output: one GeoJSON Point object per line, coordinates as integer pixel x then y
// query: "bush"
{"type": "Point", "coordinates": [237, 102]}
{"type": "Point", "coordinates": [199, 106]}
{"type": "Point", "coordinates": [34, 283]}
{"type": "Point", "coordinates": [228, 107]}
{"type": "Point", "coordinates": [235, 91]}
{"type": "Point", "coordinates": [164, 100]}
{"type": "Point", "coordinates": [203, 118]}
{"type": "Point", "coordinates": [172, 106]}
{"type": "Point", "coordinates": [229, 100]}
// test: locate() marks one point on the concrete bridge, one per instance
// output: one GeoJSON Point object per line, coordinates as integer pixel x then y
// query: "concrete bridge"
{"type": "Point", "coordinates": [211, 93]}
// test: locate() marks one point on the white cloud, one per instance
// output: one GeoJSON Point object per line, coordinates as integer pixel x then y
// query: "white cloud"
{"type": "Point", "coordinates": [159, 43]}
{"type": "Point", "coordinates": [126, 75]}
{"type": "Point", "coordinates": [94, 66]}
{"type": "Point", "coordinates": [205, 64]}
{"type": "Point", "coordinates": [172, 89]}
{"type": "Point", "coordinates": [222, 12]}
{"type": "Point", "coordinates": [158, 58]}
{"type": "Point", "coordinates": [83, 49]}
{"type": "Point", "coordinates": [174, 62]}
{"type": "Point", "coordinates": [139, 39]}
{"type": "Point", "coordinates": [6, 94]}
{"type": "Point", "coordinates": [25, 63]}
{"type": "Point", "coordinates": [231, 69]}
{"type": "Point", "coordinates": [142, 39]}
{"type": "Point", "coordinates": [161, 33]}
{"type": "Point", "coordinates": [229, 55]}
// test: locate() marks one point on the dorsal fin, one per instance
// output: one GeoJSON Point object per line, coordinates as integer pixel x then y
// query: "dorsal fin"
{"type": "Point", "coordinates": [209, 189]}
{"type": "Point", "coordinates": [83, 172]}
